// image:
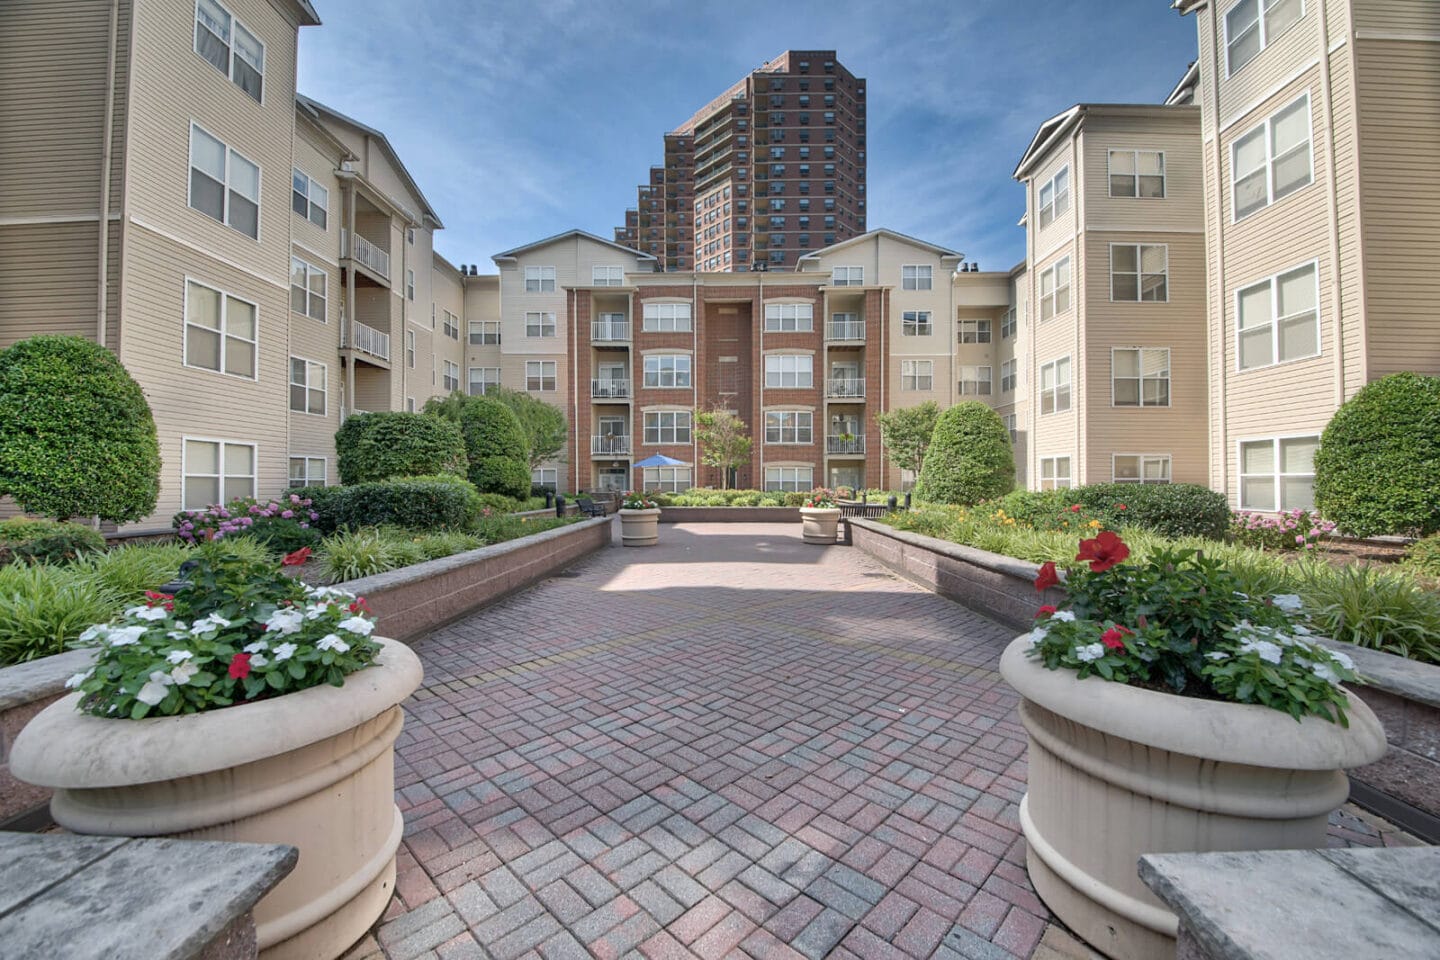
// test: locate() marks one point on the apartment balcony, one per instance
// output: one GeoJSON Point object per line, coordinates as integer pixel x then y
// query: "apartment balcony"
{"type": "Point", "coordinates": [365, 253]}
{"type": "Point", "coordinates": [610, 389]}
{"type": "Point", "coordinates": [845, 330]}
{"type": "Point", "coordinates": [845, 387]}
{"type": "Point", "coordinates": [609, 446]}
{"type": "Point", "coordinates": [845, 445]}
{"type": "Point", "coordinates": [610, 331]}
{"type": "Point", "coordinates": [363, 339]}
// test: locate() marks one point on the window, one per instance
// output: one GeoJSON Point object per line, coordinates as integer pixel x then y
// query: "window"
{"type": "Point", "coordinates": [482, 380]}
{"type": "Point", "coordinates": [667, 426]}
{"type": "Point", "coordinates": [307, 471]}
{"type": "Point", "coordinates": [410, 290]}
{"type": "Point", "coordinates": [410, 349]}
{"type": "Point", "coordinates": [451, 326]}
{"type": "Point", "coordinates": [484, 332]}
{"type": "Point", "coordinates": [1055, 386]}
{"type": "Point", "coordinates": [667, 479]}
{"type": "Point", "coordinates": [789, 371]}
{"type": "Point", "coordinates": [666, 318]}
{"type": "Point", "coordinates": [223, 184]}
{"type": "Point", "coordinates": [1139, 272]}
{"type": "Point", "coordinates": [215, 471]}
{"type": "Point", "coordinates": [1140, 377]}
{"type": "Point", "coordinates": [539, 375]}
{"type": "Point", "coordinates": [1011, 425]}
{"type": "Point", "coordinates": [1251, 25]}
{"type": "Point", "coordinates": [545, 477]}
{"type": "Point", "coordinates": [915, 323]}
{"type": "Point", "coordinates": [975, 381]}
{"type": "Point", "coordinates": [1272, 161]}
{"type": "Point", "coordinates": [309, 199]}
{"type": "Point", "coordinates": [791, 479]}
{"type": "Point", "coordinates": [539, 279]}
{"type": "Point", "coordinates": [607, 276]}
{"type": "Point", "coordinates": [232, 49]}
{"type": "Point", "coordinates": [452, 376]}
{"type": "Point", "coordinates": [1008, 375]}
{"type": "Point", "coordinates": [539, 324]}
{"type": "Point", "coordinates": [916, 374]}
{"type": "Point", "coordinates": [974, 331]}
{"type": "Point", "coordinates": [1278, 473]}
{"type": "Point", "coordinates": [847, 276]}
{"type": "Point", "coordinates": [789, 317]}
{"type": "Point", "coordinates": [1055, 197]}
{"type": "Point", "coordinates": [1055, 289]}
{"type": "Point", "coordinates": [1140, 468]}
{"type": "Point", "coordinates": [789, 426]}
{"type": "Point", "coordinates": [913, 277]}
{"type": "Point", "coordinates": [1278, 319]}
{"type": "Point", "coordinates": [1137, 173]}
{"type": "Point", "coordinates": [220, 331]}
{"type": "Point", "coordinates": [1054, 473]}
{"type": "Point", "coordinates": [667, 370]}
{"type": "Point", "coordinates": [1007, 324]}
{"type": "Point", "coordinates": [307, 386]}
{"type": "Point", "coordinates": [409, 404]}
{"type": "Point", "coordinates": [307, 289]}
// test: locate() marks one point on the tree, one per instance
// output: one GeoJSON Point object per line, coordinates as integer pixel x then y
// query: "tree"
{"type": "Point", "coordinates": [969, 458]}
{"type": "Point", "coordinates": [77, 438]}
{"type": "Point", "coordinates": [906, 433]}
{"type": "Point", "coordinates": [725, 441]}
{"type": "Point", "coordinates": [495, 444]}
{"type": "Point", "coordinates": [389, 443]}
{"type": "Point", "coordinates": [544, 425]}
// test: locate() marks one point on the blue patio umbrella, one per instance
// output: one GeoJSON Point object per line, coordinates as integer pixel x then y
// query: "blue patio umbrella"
{"type": "Point", "coordinates": [660, 460]}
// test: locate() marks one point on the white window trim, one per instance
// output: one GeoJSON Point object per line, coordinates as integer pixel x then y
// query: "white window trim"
{"type": "Point", "coordinates": [324, 469]}
{"type": "Point", "coordinates": [795, 358]}
{"type": "Point", "coordinates": [657, 357]}
{"type": "Point", "coordinates": [1139, 271]}
{"type": "Point", "coordinates": [1069, 382]}
{"type": "Point", "coordinates": [554, 376]}
{"type": "Point", "coordinates": [988, 380]}
{"type": "Point", "coordinates": [835, 280]}
{"type": "Point", "coordinates": [779, 319]}
{"type": "Point", "coordinates": [675, 428]}
{"type": "Point", "coordinates": [540, 279]}
{"type": "Point", "coordinates": [605, 275]}
{"type": "Point", "coordinates": [1055, 291]}
{"type": "Point", "coordinates": [916, 375]}
{"type": "Point", "coordinates": [1164, 175]}
{"type": "Point", "coordinates": [230, 73]}
{"type": "Point", "coordinates": [1054, 198]}
{"type": "Point", "coordinates": [973, 324]}
{"type": "Point", "coordinates": [1269, 137]}
{"type": "Point", "coordinates": [661, 484]}
{"type": "Point", "coordinates": [484, 380]}
{"type": "Point", "coordinates": [410, 349]}
{"type": "Point", "coordinates": [185, 323]}
{"type": "Point", "coordinates": [1141, 481]}
{"type": "Point", "coordinates": [795, 471]}
{"type": "Point", "coordinates": [654, 324]}
{"type": "Point", "coordinates": [923, 324]}
{"type": "Point", "coordinates": [785, 414]}
{"type": "Point", "coordinates": [225, 191]}
{"type": "Point", "coordinates": [1275, 475]}
{"type": "Point", "coordinates": [290, 382]}
{"type": "Point", "coordinates": [546, 319]}
{"type": "Point", "coordinates": [310, 201]}
{"type": "Point", "coordinates": [1054, 462]}
{"type": "Point", "coordinates": [1273, 281]}
{"type": "Point", "coordinates": [928, 276]}
{"type": "Point", "coordinates": [311, 269]}
{"type": "Point", "coordinates": [446, 376]}
{"type": "Point", "coordinates": [1265, 38]}
{"type": "Point", "coordinates": [186, 439]}
{"type": "Point", "coordinates": [1140, 377]}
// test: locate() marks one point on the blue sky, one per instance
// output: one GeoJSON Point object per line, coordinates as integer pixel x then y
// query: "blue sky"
{"type": "Point", "coordinates": [523, 120]}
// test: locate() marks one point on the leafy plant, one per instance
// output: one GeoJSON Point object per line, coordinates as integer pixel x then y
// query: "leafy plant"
{"type": "Point", "coordinates": [43, 608]}
{"type": "Point", "coordinates": [1291, 530]}
{"type": "Point", "coordinates": [355, 554]}
{"type": "Point", "coordinates": [1169, 509]}
{"type": "Point", "coordinates": [969, 458]}
{"type": "Point", "coordinates": [906, 433]}
{"type": "Point", "coordinates": [637, 500]}
{"type": "Point", "coordinates": [821, 498]}
{"type": "Point", "coordinates": [386, 444]}
{"type": "Point", "coordinates": [497, 447]}
{"type": "Point", "coordinates": [46, 541]}
{"type": "Point", "coordinates": [725, 441]}
{"type": "Point", "coordinates": [128, 571]}
{"type": "Point", "coordinates": [245, 516]}
{"type": "Point", "coordinates": [1424, 556]}
{"type": "Point", "coordinates": [415, 503]}
{"type": "Point", "coordinates": [1372, 607]}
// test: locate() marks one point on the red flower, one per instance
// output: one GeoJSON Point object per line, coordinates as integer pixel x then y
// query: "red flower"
{"type": "Point", "coordinates": [152, 598]}
{"type": "Point", "coordinates": [1075, 508]}
{"type": "Point", "coordinates": [1121, 506]}
{"type": "Point", "coordinates": [1103, 552]}
{"type": "Point", "coordinates": [1047, 577]}
{"type": "Point", "coordinates": [1114, 638]}
{"type": "Point", "coordinates": [240, 666]}
{"type": "Point", "coordinates": [297, 558]}
{"type": "Point", "coordinates": [359, 606]}
{"type": "Point", "coordinates": [1044, 611]}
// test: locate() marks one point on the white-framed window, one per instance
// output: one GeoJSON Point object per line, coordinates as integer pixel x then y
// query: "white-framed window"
{"type": "Point", "coordinates": [1055, 197]}
{"type": "Point", "coordinates": [790, 370]}
{"type": "Point", "coordinates": [916, 374]}
{"type": "Point", "coordinates": [1011, 426]}
{"type": "Point", "coordinates": [790, 479]}
{"type": "Point", "coordinates": [545, 477]}
{"type": "Point", "coordinates": [539, 375]}
{"type": "Point", "coordinates": [916, 276]}
{"type": "Point", "coordinates": [974, 331]}
{"type": "Point", "coordinates": [309, 199]}
{"type": "Point", "coordinates": [916, 323]}
{"type": "Point", "coordinates": [667, 427]}
{"type": "Point", "coordinates": [1055, 289]}
{"type": "Point", "coordinates": [1140, 272]}
{"type": "Point", "coordinates": [976, 381]}
{"type": "Point", "coordinates": [1137, 173]}
{"type": "Point", "coordinates": [666, 479]}
{"type": "Point", "coordinates": [307, 471]}
{"type": "Point", "coordinates": [666, 318]}
{"type": "Point", "coordinates": [484, 333]}
{"type": "Point", "coordinates": [1008, 375]}
{"type": "Point", "coordinates": [1251, 26]}
{"type": "Point", "coordinates": [1140, 377]}
{"type": "Point", "coordinates": [1054, 473]}
{"type": "Point", "coordinates": [1055, 386]}
{"type": "Point", "coordinates": [410, 293]}
{"type": "Point", "coordinates": [789, 317]}
{"type": "Point", "coordinates": [230, 48]}
{"type": "Point", "coordinates": [539, 279]}
{"type": "Point", "coordinates": [789, 426]}
{"type": "Point", "coordinates": [483, 380]}
{"type": "Point", "coordinates": [221, 331]}
{"type": "Point", "coordinates": [409, 404]}
{"type": "Point", "coordinates": [1278, 319]}
{"type": "Point", "coordinates": [1271, 161]}
{"type": "Point", "coordinates": [847, 276]}
{"type": "Point", "coordinates": [410, 349]}
{"type": "Point", "coordinates": [667, 370]}
{"type": "Point", "coordinates": [539, 324]}
{"type": "Point", "coordinates": [307, 289]}
{"type": "Point", "coordinates": [452, 326]}
{"type": "Point", "coordinates": [224, 184]}
{"type": "Point", "coordinates": [1007, 324]}
{"type": "Point", "coordinates": [1140, 468]}
{"type": "Point", "coordinates": [307, 386]}
{"type": "Point", "coordinates": [1278, 473]}
{"type": "Point", "coordinates": [607, 276]}
{"type": "Point", "coordinates": [452, 376]}
{"type": "Point", "coordinates": [215, 471]}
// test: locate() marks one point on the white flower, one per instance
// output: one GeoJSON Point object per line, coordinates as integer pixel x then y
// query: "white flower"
{"type": "Point", "coordinates": [332, 641]}
{"type": "Point", "coordinates": [1343, 659]}
{"type": "Point", "coordinates": [124, 636]}
{"type": "Point", "coordinates": [1267, 651]}
{"type": "Point", "coordinates": [258, 660]}
{"type": "Point", "coordinates": [78, 679]}
{"type": "Point", "coordinates": [1325, 672]}
{"type": "Point", "coordinates": [147, 613]}
{"type": "Point", "coordinates": [1300, 630]}
{"type": "Point", "coordinates": [316, 610]}
{"type": "Point", "coordinates": [1036, 635]}
{"type": "Point", "coordinates": [358, 625]}
{"type": "Point", "coordinates": [284, 652]}
{"type": "Point", "coordinates": [257, 646]}
{"type": "Point", "coordinates": [206, 624]}
{"type": "Point", "coordinates": [321, 593]}
{"type": "Point", "coordinates": [178, 656]}
{"type": "Point", "coordinates": [1067, 616]}
{"type": "Point", "coordinates": [1089, 652]}
{"type": "Point", "coordinates": [154, 691]}
{"type": "Point", "coordinates": [286, 621]}
{"type": "Point", "coordinates": [95, 633]}
{"type": "Point", "coordinates": [179, 636]}
{"type": "Point", "coordinates": [1288, 602]}
{"type": "Point", "coordinates": [184, 671]}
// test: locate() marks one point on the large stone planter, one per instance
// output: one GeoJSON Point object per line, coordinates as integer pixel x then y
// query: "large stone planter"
{"type": "Point", "coordinates": [314, 769]}
{"type": "Point", "coordinates": [1118, 771]}
{"type": "Point", "coordinates": [819, 524]}
{"type": "Point", "coordinates": [639, 528]}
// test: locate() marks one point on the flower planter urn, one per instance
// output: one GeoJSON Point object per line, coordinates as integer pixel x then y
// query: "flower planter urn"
{"type": "Point", "coordinates": [639, 528]}
{"type": "Point", "coordinates": [819, 524]}
{"type": "Point", "coordinates": [314, 769]}
{"type": "Point", "coordinates": [1117, 771]}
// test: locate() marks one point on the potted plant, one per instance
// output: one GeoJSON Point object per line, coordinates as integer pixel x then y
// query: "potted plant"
{"type": "Point", "coordinates": [819, 517]}
{"type": "Point", "coordinates": [639, 520]}
{"type": "Point", "coordinates": [1169, 711]}
{"type": "Point", "coordinates": [246, 706]}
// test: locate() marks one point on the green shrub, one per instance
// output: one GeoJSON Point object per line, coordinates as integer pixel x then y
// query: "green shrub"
{"type": "Point", "coordinates": [129, 571]}
{"type": "Point", "coordinates": [46, 541]}
{"type": "Point", "coordinates": [386, 444]}
{"type": "Point", "coordinates": [415, 503]}
{"type": "Point", "coordinates": [497, 503]}
{"type": "Point", "coordinates": [1372, 607]}
{"type": "Point", "coordinates": [280, 535]}
{"type": "Point", "coordinates": [969, 457]}
{"type": "Point", "coordinates": [243, 549]}
{"type": "Point", "coordinates": [1423, 557]}
{"type": "Point", "coordinates": [1169, 509]}
{"type": "Point", "coordinates": [433, 546]}
{"type": "Point", "coordinates": [76, 436]}
{"type": "Point", "coordinates": [1378, 467]}
{"type": "Point", "coordinates": [497, 448]}
{"type": "Point", "coordinates": [500, 529]}
{"type": "Point", "coordinates": [354, 554]}
{"type": "Point", "coordinates": [43, 608]}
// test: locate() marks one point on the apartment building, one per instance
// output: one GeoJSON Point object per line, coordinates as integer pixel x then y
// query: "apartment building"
{"type": "Point", "coordinates": [770, 169]}
{"type": "Point", "coordinates": [1320, 124]}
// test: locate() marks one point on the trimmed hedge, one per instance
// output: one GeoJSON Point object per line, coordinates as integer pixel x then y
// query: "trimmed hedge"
{"type": "Point", "coordinates": [497, 448]}
{"type": "Point", "coordinates": [46, 541]}
{"type": "Point", "coordinates": [969, 458]}
{"type": "Point", "coordinates": [443, 501]}
{"type": "Point", "coordinates": [1169, 509]}
{"type": "Point", "coordinates": [386, 444]}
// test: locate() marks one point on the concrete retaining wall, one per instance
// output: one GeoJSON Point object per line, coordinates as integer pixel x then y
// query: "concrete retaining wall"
{"type": "Point", "coordinates": [25, 690]}
{"type": "Point", "coordinates": [729, 514]}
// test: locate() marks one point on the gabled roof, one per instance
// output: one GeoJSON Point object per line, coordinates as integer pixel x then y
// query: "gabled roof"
{"type": "Point", "coordinates": [573, 232]}
{"type": "Point", "coordinates": [1186, 86]}
{"type": "Point", "coordinates": [1058, 126]}
{"type": "Point", "coordinates": [892, 234]}
{"type": "Point", "coordinates": [309, 18]}
{"type": "Point", "coordinates": [1049, 132]}
{"type": "Point", "coordinates": [1187, 6]}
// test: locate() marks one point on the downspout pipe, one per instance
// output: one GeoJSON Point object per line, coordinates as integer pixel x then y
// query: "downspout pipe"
{"type": "Point", "coordinates": [107, 147]}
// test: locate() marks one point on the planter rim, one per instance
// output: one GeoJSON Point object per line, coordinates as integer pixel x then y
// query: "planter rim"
{"type": "Point", "coordinates": [649, 512]}
{"type": "Point", "coordinates": [65, 748]}
{"type": "Point", "coordinates": [815, 510]}
{"type": "Point", "coordinates": [1245, 733]}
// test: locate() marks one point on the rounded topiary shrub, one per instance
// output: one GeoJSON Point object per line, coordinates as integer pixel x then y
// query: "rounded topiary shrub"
{"type": "Point", "coordinates": [1169, 509]}
{"type": "Point", "coordinates": [442, 501]}
{"type": "Point", "coordinates": [497, 448]}
{"type": "Point", "coordinates": [76, 436]}
{"type": "Point", "coordinates": [1378, 467]}
{"type": "Point", "coordinates": [385, 444]}
{"type": "Point", "coordinates": [46, 541]}
{"type": "Point", "coordinates": [969, 458]}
